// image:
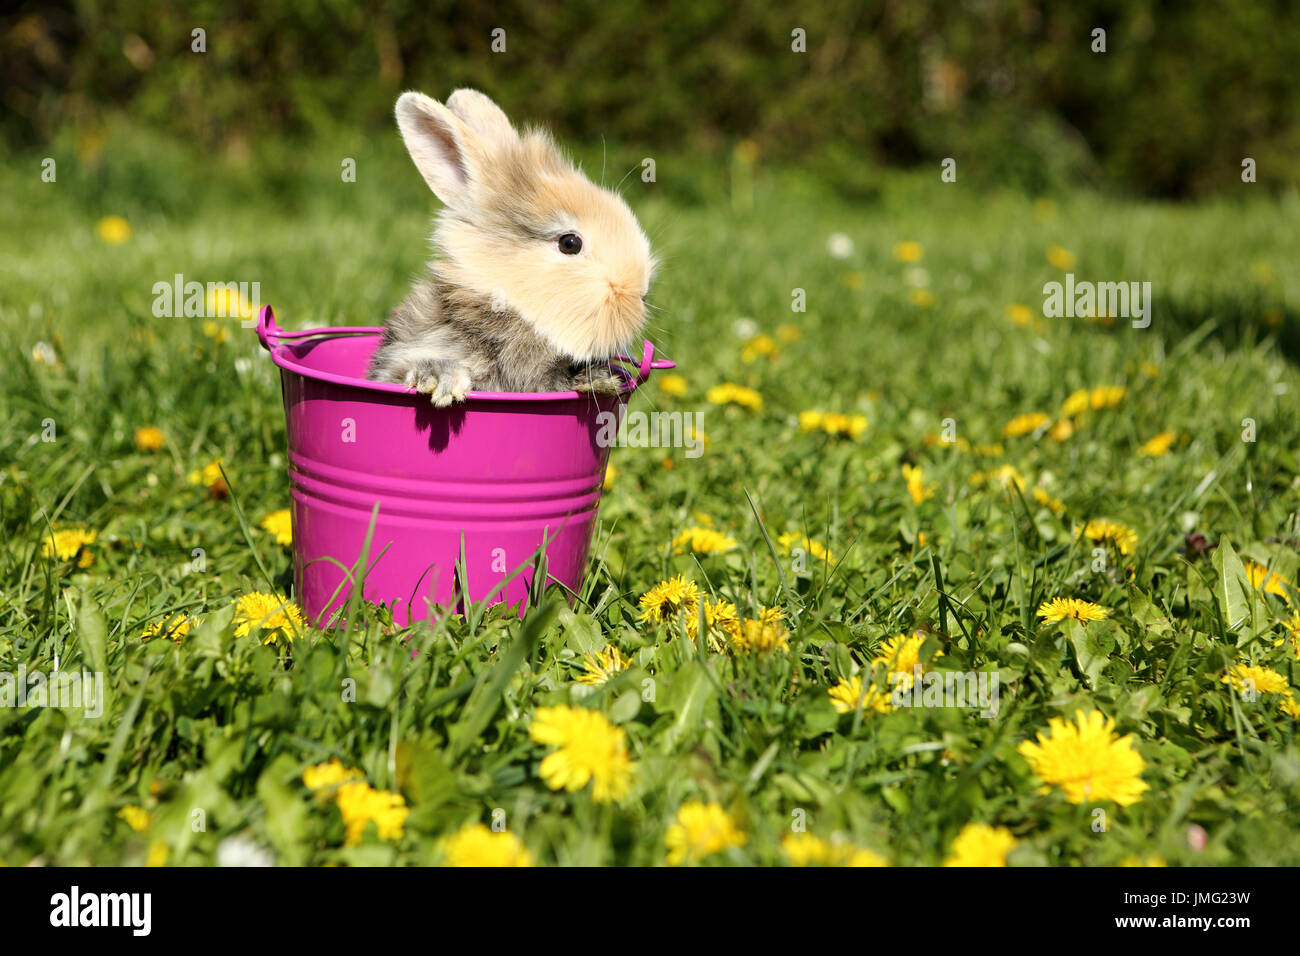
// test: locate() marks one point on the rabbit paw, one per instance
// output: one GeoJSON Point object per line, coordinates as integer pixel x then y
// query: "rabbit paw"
{"type": "Point", "coordinates": [442, 383]}
{"type": "Point", "coordinates": [597, 382]}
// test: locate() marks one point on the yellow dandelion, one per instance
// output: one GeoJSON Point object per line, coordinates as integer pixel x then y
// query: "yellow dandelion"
{"type": "Point", "coordinates": [1290, 706]}
{"type": "Point", "coordinates": [610, 474]}
{"type": "Point", "coordinates": [1249, 680]}
{"type": "Point", "coordinates": [69, 543]}
{"type": "Point", "coordinates": [1059, 609]}
{"type": "Point", "coordinates": [225, 302]}
{"type": "Point", "coordinates": [901, 655]}
{"type": "Point", "coordinates": [1159, 445]}
{"type": "Point", "coordinates": [1024, 424]}
{"type": "Point", "coordinates": [599, 667]}
{"type": "Point", "coordinates": [1134, 860]}
{"type": "Point", "coordinates": [667, 598]}
{"type": "Point", "coordinates": [1103, 530]}
{"type": "Point", "coordinates": [113, 230]}
{"type": "Point", "coordinates": [1002, 477]}
{"type": "Point", "coordinates": [921, 298]}
{"type": "Point", "coordinates": [1262, 579]}
{"type": "Point", "coordinates": [1087, 760]}
{"type": "Point", "coordinates": [280, 525]}
{"type": "Point", "coordinates": [909, 251]}
{"type": "Point", "coordinates": [979, 844]}
{"type": "Point", "coordinates": [759, 346]}
{"type": "Point", "coordinates": [158, 853]}
{"type": "Point", "coordinates": [589, 750]}
{"type": "Point", "coordinates": [805, 849]}
{"type": "Point", "coordinates": [476, 845]}
{"type": "Point", "coordinates": [1020, 314]}
{"type": "Point", "coordinates": [1078, 403]}
{"type": "Point", "coordinates": [328, 775]}
{"type": "Point", "coordinates": [210, 477]}
{"type": "Point", "coordinates": [916, 486]}
{"type": "Point", "coordinates": [673, 384]}
{"type": "Point", "coordinates": [149, 438]}
{"type": "Point", "coordinates": [174, 626]}
{"type": "Point", "coordinates": [361, 805]}
{"type": "Point", "coordinates": [1062, 430]}
{"type": "Point", "coordinates": [1055, 505]}
{"type": "Point", "coordinates": [1108, 396]}
{"type": "Point", "coordinates": [271, 614]}
{"type": "Point", "coordinates": [852, 694]}
{"type": "Point", "coordinates": [729, 393]}
{"type": "Point", "coordinates": [700, 830]}
{"type": "Point", "coordinates": [788, 332]}
{"type": "Point", "coordinates": [1060, 258]}
{"type": "Point", "coordinates": [703, 541]}
{"type": "Point", "coordinates": [761, 637]}
{"type": "Point", "coordinates": [216, 331]}
{"type": "Point", "coordinates": [137, 818]}
{"type": "Point", "coordinates": [792, 541]}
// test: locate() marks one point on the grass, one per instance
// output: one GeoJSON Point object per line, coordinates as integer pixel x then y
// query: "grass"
{"type": "Point", "coordinates": [217, 729]}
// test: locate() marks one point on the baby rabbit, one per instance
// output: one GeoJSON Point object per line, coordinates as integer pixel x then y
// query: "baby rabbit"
{"type": "Point", "coordinates": [541, 276]}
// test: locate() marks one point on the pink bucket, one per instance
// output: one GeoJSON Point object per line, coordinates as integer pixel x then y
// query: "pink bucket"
{"type": "Point", "coordinates": [506, 476]}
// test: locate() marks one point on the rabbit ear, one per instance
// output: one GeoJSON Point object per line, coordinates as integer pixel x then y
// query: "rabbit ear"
{"type": "Point", "coordinates": [443, 148]}
{"type": "Point", "coordinates": [483, 116]}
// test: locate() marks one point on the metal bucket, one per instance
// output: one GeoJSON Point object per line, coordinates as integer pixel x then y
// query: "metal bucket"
{"type": "Point", "coordinates": [504, 476]}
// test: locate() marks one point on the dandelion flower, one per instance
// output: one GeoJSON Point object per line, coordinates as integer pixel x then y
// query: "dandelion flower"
{"type": "Point", "coordinates": [328, 774]}
{"type": "Point", "coordinates": [1134, 860]}
{"type": "Point", "coordinates": [69, 543]}
{"type": "Point", "coordinates": [158, 853]}
{"type": "Point", "coordinates": [1108, 396]}
{"type": "Point", "coordinates": [362, 804]}
{"type": "Point", "coordinates": [1103, 530]}
{"type": "Point", "coordinates": [792, 541]}
{"type": "Point", "coordinates": [921, 298]}
{"type": "Point", "coordinates": [1020, 314]}
{"type": "Point", "coordinates": [909, 251]}
{"type": "Point", "coordinates": [1061, 431]}
{"type": "Point", "coordinates": [1248, 680]}
{"type": "Point", "coordinates": [805, 849]}
{"type": "Point", "coordinates": [703, 541]}
{"type": "Point", "coordinates": [700, 830]}
{"type": "Point", "coordinates": [1024, 424]}
{"type": "Point", "coordinates": [210, 477]}
{"type": "Point", "coordinates": [1058, 609]}
{"type": "Point", "coordinates": [1054, 505]}
{"type": "Point", "coordinates": [1060, 258]}
{"type": "Point", "coordinates": [1290, 706]}
{"type": "Point", "coordinates": [589, 749]}
{"type": "Point", "coordinates": [851, 694]}
{"type": "Point", "coordinates": [175, 626]}
{"type": "Point", "coordinates": [902, 655]}
{"type": "Point", "coordinates": [1087, 760]}
{"type": "Point", "coordinates": [137, 818]}
{"type": "Point", "coordinates": [916, 486]}
{"type": "Point", "coordinates": [729, 393]}
{"type": "Point", "coordinates": [1262, 579]}
{"type": "Point", "coordinates": [599, 667]}
{"type": "Point", "coordinates": [673, 385]}
{"type": "Point", "coordinates": [761, 637]}
{"type": "Point", "coordinates": [1078, 403]}
{"type": "Point", "coordinates": [1159, 445]}
{"type": "Point", "coordinates": [759, 346]}
{"type": "Point", "coordinates": [979, 844]}
{"type": "Point", "coordinates": [788, 332]}
{"type": "Point", "coordinates": [280, 524]}
{"type": "Point", "coordinates": [476, 845]}
{"type": "Point", "coordinates": [271, 614]}
{"type": "Point", "coordinates": [113, 230]}
{"type": "Point", "coordinates": [667, 598]}
{"type": "Point", "coordinates": [149, 438]}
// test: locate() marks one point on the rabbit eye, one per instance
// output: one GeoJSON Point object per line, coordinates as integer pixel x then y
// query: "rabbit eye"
{"type": "Point", "coordinates": [570, 244]}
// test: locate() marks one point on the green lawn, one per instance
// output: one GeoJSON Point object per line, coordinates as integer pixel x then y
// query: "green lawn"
{"type": "Point", "coordinates": [210, 735]}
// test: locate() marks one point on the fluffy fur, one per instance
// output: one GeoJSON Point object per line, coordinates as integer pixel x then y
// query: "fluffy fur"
{"type": "Point", "coordinates": [502, 308]}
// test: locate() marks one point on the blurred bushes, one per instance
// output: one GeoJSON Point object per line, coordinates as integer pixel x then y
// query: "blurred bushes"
{"type": "Point", "coordinates": [1011, 90]}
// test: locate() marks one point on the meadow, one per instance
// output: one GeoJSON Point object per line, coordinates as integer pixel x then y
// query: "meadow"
{"type": "Point", "coordinates": [903, 476]}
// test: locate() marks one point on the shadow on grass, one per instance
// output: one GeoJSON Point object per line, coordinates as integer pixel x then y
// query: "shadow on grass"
{"type": "Point", "coordinates": [1237, 321]}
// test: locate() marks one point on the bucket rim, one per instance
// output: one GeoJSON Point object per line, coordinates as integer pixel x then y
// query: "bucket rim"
{"type": "Point", "coordinates": [273, 339]}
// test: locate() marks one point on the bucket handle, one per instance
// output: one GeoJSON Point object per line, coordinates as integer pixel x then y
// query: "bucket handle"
{"type": "Point", "coordinates": [270, 335]}
{"type": "Point", "coordinates": [647, 363]}
{"type": "Point", "coordinates": [268, 330]}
